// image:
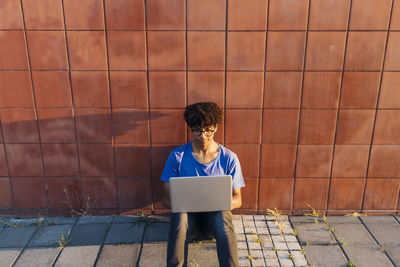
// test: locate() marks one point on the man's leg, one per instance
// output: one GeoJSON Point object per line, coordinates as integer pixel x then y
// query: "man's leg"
{"type": "Point", "coordinates": [222, 226]}
{"type": "Point", "coordinates": [178, 239]}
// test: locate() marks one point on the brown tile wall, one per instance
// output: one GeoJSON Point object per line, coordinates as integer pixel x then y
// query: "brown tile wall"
{"type": "Point", "coordinates": [92, 94]}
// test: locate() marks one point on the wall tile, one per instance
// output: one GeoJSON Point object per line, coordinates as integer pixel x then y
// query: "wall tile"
{"type": "Point", "coordinates": [43, 14]}
{"type": "Point", "coordinates": [93, 126]}
{"type": "Point", "coordinates": [285, 50]}
{"type": "Point", "coordinates": [314, 161]}
{"type": "Point", "coordinates": [241, 129]}
{"type": "Point", "coordinates": [126, 50]}
{"type": "Point", "coordinates": [321, 90]}
{"type": "Point", "coordinates": [19, 154]}
{"type": "Point", "coordinates": [56, 126]}
{"type": "Point", "coordinates": [317, 127]}
{"type": "Point", "coordinates": [206, 50]}
{"type": "Point", "coordinates": [276, 193]}
{"type": "Point", "coordinates": [350, 161]}
{"type": "Point", "coordinates": [247, 15]}
{"type": "Point", "coordinates": [60, 159]}
{"type": "Point", "coordinates": [387, 127]}
{"type": "Point", "coordinates": [280, 126]}
{"type": "Point", "coordinates": [167, 89]}
{"type": "Point", "coordinates": [11, 15]}
{"type": "Point", "coordinates": [134, 193]}
{"type": "Point", "coordinates": [128, 89]}
{"type": "Point", "coordinates": [392, 52]}
{"type": "Point", "coordinates": [52, 89]}
{"type": "Point", "coordinates": [159, 156]}
{"type": "Point", "coordinates": [90, 89]}
{"type": "Point", "coordinates": [206, 14]}
{"type": "Point", "coordinates": [370, 14]}
{"type": "Point", "coordinates": [132, 160]}
{"type": "Point", "coordinates": [131, 126]}
{"type": "Point", "coordinates": [282, 89]}
{"type": "Point", "coordinates": [158, 193]}
{"type": "Point", "coordinates": [277, 160]}
{"type": "Point", "coordinates": [244, 89]}
{"type": "Point", "coordinates": [165, 15]}
{"type": "Point", "coordinates": [381, 194]}
{"type": "Point", "coordinates": [124, 14]}
{"type": "Point", "coordinates": [65, 193]}
{"type": "Point", "coordinates": [288, 14]}
{"type": "Point", "coordinates": [311, 192]}
{"type": "Point", "coordinates": [16, 90]}
{"type": "Point", "coordinates": [101, 190]}
{"type": "Point", "coordinates": [390, 93]}
{"type": "Point", "coordinates": [246, 51]}
{"type": "Point", "coordinates": [19, 126]}
{"type": "Point", "coordinates": [346, 194]}
{"type": "Point", "coordinates": [329, 14]}
{"type": "Point", "coordinates": [29, 193]}
{"type": "Point", "coordinates": [84, 15]}
{"type": "Point", "coordinates": [96, 159]}
{"type": "Point", "coordinates": [3, 163]}
{"type": "Point", "coordinates": [47, 50]}
{"type": "Point", "coordinates": [395, 21]}
{"type": "Point", "coordinates": [354, 127]}
{"type": "Point", "coordinates": [249, 158]}
{"type": "Point", "coordinates": [249, 194]}
{"type": "Point", "coordinates": [325, 50]}
{"type": "Point", "coordinates": [360, 89]}
{"type": "Point", "coordinates": [365, 50]}
{"type": "Point", "coordinates": [385, 161]}
{"type": "Point", "coordinates": [167, 126]}
{"type": "Point", "coordinates": [87, 50]}
{"type": "Point", "coordinates": [205, 87]}
{"type": "Point", "coordinates": [13, 50]}
{"type": "Point", "coordinates": [166, 50]}
{"type": "Point", "coordinates": [5, 193]}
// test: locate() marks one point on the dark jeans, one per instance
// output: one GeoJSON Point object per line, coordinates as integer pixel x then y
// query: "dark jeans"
{"type": "Point", "coordinates": [220, 223]}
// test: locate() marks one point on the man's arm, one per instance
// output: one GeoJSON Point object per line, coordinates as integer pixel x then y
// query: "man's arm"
{"type": "Point", "coordinates": [166, 200]}
{"type": "Point", "coordinates": [236, 198]}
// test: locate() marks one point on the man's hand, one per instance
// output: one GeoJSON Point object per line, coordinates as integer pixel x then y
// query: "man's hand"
{"type": "Point", "coordinates": [166, 200]}
{"type": "Point", "coordinates": [236, 198]}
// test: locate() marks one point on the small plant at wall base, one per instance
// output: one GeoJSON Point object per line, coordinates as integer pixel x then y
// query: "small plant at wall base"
{"type": "Point", "coordinates": [87, 211]}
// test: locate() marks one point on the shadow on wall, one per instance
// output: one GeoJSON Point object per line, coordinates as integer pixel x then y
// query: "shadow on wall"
{"type": "Point", "coordinates": [105, 165]}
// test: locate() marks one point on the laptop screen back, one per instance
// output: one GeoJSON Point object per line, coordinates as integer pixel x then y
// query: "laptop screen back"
{"type": "Point", "coordinates": [201, 193]}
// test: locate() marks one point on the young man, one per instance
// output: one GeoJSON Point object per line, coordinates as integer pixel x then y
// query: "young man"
{"type": "Point", "coordinates": [203, 157]}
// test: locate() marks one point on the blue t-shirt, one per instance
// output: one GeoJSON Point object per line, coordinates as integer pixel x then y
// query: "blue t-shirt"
{"type": "Point", "coordinates": [181, 162]}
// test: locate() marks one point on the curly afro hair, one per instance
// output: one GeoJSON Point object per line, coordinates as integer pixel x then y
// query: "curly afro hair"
{"type": "Point", "coordinates": [203, 115]}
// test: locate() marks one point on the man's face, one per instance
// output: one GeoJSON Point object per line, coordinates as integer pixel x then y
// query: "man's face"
{"type": "Point", "coordinates": [203, 136]}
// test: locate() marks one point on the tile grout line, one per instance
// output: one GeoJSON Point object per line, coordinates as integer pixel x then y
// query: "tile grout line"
{"type": "Point", "coordinates": [262, 109]}
{"type": "Point", "coordinates": [300, 110]}
{"type": "Point", "coordinates": [34, 106]}
{"type": "Point", "coordinates": [377, 106]}
{"type": "Point", "coordinates": [113, 143]}
{"type": "Point", "coordinates": [338, 106]}
{"type": "Point", "coordinates": [148, 100]}
{"type": "Point", "coordinates": [62, 249]}
{"type": "Point", "coordinates": [104, 240]}
{"type": "Point", "coordinates": [72, 102]}
{"type": "Point", "coordinates": [226, 64]}
{"type": "Point", "coordinates": [139, 254]}
{"type": "Point", "coordinates": [381, 248]}
{"type": "Point", "coordinates": [24, 248]}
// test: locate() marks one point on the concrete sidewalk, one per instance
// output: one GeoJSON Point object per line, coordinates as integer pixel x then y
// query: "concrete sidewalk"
{"type": "Point", "coordinates": [142, 241]}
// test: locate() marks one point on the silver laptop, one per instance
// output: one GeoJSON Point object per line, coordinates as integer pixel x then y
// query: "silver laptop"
{"type": "Point", "coordinates": [201, 193]}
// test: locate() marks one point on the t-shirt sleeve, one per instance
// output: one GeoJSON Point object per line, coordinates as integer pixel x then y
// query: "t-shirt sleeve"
{"type": "Point", "coordinates": [170, 168]}
{"type": "Point", "coordinates": [236, 172]}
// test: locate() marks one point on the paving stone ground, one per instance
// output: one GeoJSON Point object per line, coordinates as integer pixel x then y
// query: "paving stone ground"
{"type": "Point", "coordinates": [142, 241]}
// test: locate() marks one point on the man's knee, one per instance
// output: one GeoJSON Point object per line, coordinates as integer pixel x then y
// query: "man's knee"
{"type": "Point", "coordinates": [179, 222]}
{"type": "Point", "coordinates": [222, 222]}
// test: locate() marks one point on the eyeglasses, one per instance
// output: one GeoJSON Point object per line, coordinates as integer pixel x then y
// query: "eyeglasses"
{"type": "Point", "coordinates": [199, 132]}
